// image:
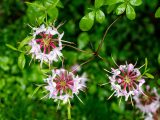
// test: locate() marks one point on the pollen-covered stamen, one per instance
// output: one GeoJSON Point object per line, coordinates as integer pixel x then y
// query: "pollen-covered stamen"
{"type": "Point", "coordinates": [127, 79]}
{"type": "Point", "coordinates": [47, 42]}
{"type": "Point", "coordinates": [64, 82]}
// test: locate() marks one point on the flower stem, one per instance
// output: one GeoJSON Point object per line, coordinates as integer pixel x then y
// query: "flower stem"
{"type": "Point", "coordinates": [77, 49]}
{"type": "Point", "coordinates": [69, 110]}
{"type": "Point", "coordinates": [101, 42]}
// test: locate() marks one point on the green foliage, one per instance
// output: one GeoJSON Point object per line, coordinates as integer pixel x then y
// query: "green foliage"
{"type": "Point", "coordinates": [24, 42]}
{"type": "Point", "coordinates": [40, 10]}
{"type": "Point", "coordinates": [87, 21]}
{"type": "Point", "coordinates": [157, 14]}
{"type": "Point", "coordinates": [100, 16]}
{"type": "Point", "coordinates": [20, 98]}
{"type": "Point", "coordinates": [124, 5]}
{"type": "Point", "coordinates": [11, 47]}
{"type": "Point", "coordinates": [149, 75]}
{"type": "Point", "coordinates": [98, 3]}
{"type": "Point", "coordinates": [21, 61]}
{"type": "Point", "coordinates": [111, 2]}
{"type": "Point", "coordinates": [130, 12]}
{"type": "Point", "coordinates": [135, 2]}
{"type": "Point", "coordinates": [121, 8]}
{"type": "Point", "coordinates": [83, 40]}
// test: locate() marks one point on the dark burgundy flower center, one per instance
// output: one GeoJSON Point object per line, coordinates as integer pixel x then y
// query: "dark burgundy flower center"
{"type": "Point", "coordinates": [47, 42]}
{"type": "Point", "coordinates": [127, 79]}
{"type": "Point", "coordinates": [148, 98]}
{"type": "Point", "coordinates": [64, 82]}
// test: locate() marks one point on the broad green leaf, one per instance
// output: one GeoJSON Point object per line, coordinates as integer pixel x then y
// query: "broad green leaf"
{"type": "Point", "coordinates": [135, 2]}
{"type": "Point", "coordinates": [11, 47]}
{"type": "Point", "coordinates": [98, 3]}
{"type": "Point", "coordinates": [24, 42]}
{"type": "Point", "coordinates": [100, 16]}
{"type": "Point", "coordinates": [157, 14]}
{"type": "Point", "coordinates": [130, 12]}
{"type": "Point", "coordinates": [111, 2]}
{"type": "Point", "coordinates": [87, 21]}
{"type": "Point", "coordinates": [110, 8]}
{"type": "Point", "coordinates": [52, 12]}
{"type": "Point", "coordinates": [34, 13]}
{"type": "Point", "coordinates": [149, 75]}
{"type": "Point", "coordinates": [83, 40]}
{"type": "Point", "coordinates": [21, 61]}
{"type": "Point", "coordinates": [121, 8]}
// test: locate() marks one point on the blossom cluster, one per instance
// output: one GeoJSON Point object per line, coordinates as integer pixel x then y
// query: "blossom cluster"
{"type": "Point", "coordinates": [148, 103]}
{"type": "Point", "coordinates": [126, 81]}
{"type": "Point", "coordinates": [46, 46]}
{"type": "Point", "coordinates": [62, 84]}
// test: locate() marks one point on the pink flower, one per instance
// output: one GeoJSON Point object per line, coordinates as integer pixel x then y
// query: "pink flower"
{"type": "Point", "coordinates": [148, 103]}
{"type": "Point", "coordinates": [62, 85]}
{"type": "Point", "coordinates": [46, 45]}
{"type": "Point", "coordinates": [126, 81]}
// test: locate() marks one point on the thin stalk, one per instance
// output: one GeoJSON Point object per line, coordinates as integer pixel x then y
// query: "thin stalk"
{"type": "Point", "coordinates": [77, 49]}
{"type": "Point", "coordinates": [90, 59]}
{"type": "Point", "coordinates": [69, 110]}
{"type": "Point", "coordinates": [101, 42]}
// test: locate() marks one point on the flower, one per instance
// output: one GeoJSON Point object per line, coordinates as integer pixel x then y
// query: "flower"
{"type": "Point", "coordinates": [148, 103]}
{"type": "Point", "coordinates": [46, 44]}
{"type": "Point", "coordinates": [62, 85]}
{"type": "Point", "coordinates": [126, 81]}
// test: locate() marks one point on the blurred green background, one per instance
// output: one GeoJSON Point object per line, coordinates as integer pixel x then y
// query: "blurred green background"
{"type": "Point", "coordinates": [126, 41]}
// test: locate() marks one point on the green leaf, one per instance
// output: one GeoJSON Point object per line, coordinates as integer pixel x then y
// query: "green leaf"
{"type": "Point", "coordinates": [21, 61]}
{"type": "Point", "coordinates": [87, 21]}
{"type": "Point", "coordinates": [36, 6]}
{"type": "Point", "coordinates": [130, 12]}
{"type": "Point", "coordinates": [60, 5]}
{"type": "Point", "coordinates": [98, 3]}
{"type": "Point", "coordinates": [110, 8]}
{"type": "Point", "coordinates": [50, 3]}
{"type": "Point", "coordinates": [146, 63]}
{"type": "Point", "coordinates": [100, 16]}
{"type": "Point", "coordinates": [135, 2]}
{"type": "Point", "coordinates": [11, 47]}
{"type": "Point", "coordinates": [52, 12]}
{"type": "Point", "coordinates": [36, 90]}
{"type": "Point", "coordinates": [157, 14]}
{"type": "Point", "coordinates": [83, 40]}
{"type": "Point", "coordinates": [111, 2]}
{"type": "Point", "coordinates": [24, 42]}
{"type": "Point", "coordinates": [121, 8]}
{"type": "Point", "coordinates": [36, 13]}
{"type": "Point", "coordinates": [40, 19]}
{"type": "Point", "coordinates": [149, 75]}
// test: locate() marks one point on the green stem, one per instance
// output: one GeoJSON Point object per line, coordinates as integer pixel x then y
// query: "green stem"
{"type": "Point", "coordinates": [69, 110]}
{"type": "Point", "coordinates": [101, 42]}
